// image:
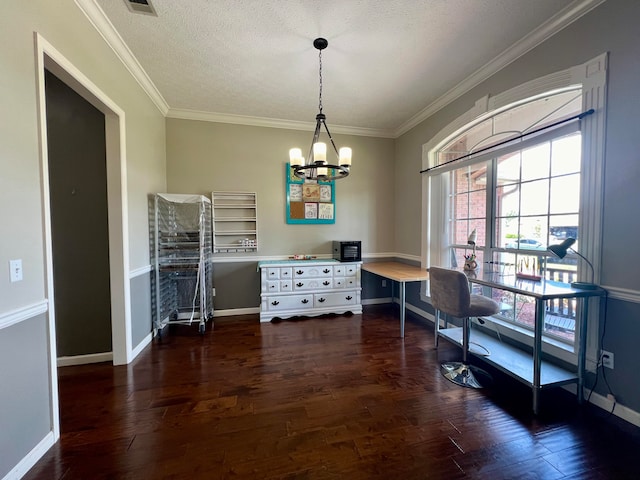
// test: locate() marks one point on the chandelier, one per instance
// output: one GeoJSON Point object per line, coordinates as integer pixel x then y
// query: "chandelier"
{"type": "Point", "coordinates": [316, 166]}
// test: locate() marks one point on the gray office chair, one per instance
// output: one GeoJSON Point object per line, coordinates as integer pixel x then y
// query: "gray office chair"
{"type": "Point", "coordinates": [450, 294]}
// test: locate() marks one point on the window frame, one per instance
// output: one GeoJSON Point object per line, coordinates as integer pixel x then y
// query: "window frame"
{"type": "Point", "coordinates": [591, 77]}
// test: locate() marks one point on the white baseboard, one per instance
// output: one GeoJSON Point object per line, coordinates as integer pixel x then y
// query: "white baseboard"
{"type": "Point", "coordinates": [376, 301]}
{"type": "Point", "coordinates": [141, 346]}
{"type": "Point", "coordinates": [235, 311]}
{"type": "Point", "coordinates": [620, 411]}
{"type": "Point", "coordinates": [85, 359]}
{"type": "Point", "coordinates": [31, 458]}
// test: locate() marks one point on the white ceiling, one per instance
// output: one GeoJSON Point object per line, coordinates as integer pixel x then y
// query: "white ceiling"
{"type": "Point", "coordinates": [388, 63]}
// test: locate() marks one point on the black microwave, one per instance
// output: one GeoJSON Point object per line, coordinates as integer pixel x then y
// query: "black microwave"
{"type": "Point", "coordinates": [347, 251]}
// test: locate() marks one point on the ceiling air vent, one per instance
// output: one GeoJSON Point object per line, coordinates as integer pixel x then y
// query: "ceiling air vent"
{"type": "Point", "coordinates": [141, 6]}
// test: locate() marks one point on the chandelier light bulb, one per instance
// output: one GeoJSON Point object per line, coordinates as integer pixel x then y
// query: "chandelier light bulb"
{"type": "Point", "coordinates": [320, 152]}
{"type": "Point", "coordinates": [295, 157]}
{"type": "Point", "coordinates": [345, 156]}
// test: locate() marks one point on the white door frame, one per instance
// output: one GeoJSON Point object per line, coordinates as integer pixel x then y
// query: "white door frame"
{"type": "Point", "coordinates": [51, 59]}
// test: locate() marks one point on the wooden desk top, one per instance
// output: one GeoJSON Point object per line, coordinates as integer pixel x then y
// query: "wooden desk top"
{"type": "Point", "coordinates": [400, 272]}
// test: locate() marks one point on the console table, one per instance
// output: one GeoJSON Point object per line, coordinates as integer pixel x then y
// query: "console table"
{"type": "Point", "coordinates": [401, 273]}
{"type": "Point", "coordinates": [532, 371]}
{"type": "Point", "coordinates": [308, 287]}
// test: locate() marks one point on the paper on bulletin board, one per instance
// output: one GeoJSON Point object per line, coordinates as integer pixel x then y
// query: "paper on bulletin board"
{"type": "Point", "coordinates": [309, 202]}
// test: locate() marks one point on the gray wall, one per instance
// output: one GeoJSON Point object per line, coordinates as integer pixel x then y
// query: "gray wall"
{"type": "Point", "coordinates": [24, 396]}
{"type": "Point", "coordinates": [141, 319]}
{"type": "Point", "coordinates": [206, 156]}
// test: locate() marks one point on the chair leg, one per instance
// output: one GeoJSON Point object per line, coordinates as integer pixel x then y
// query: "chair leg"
{"type": "Point", "coordinates": [461, 373]}
{"type": "Point", "coordinates": [436, 327]}
{"type": "Point", "coordinates": [465, 339]}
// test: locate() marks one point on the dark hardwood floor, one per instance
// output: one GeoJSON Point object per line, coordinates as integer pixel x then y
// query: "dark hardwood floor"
{"type": "Point", "coordinates": [338, 397]}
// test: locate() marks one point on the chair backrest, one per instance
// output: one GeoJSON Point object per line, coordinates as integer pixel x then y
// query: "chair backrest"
{"type": "Point", "coordinates": [449, 291]}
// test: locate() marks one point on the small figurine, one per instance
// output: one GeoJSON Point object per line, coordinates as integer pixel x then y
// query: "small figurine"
{"type": "Point", "coordinates": [470, 262]}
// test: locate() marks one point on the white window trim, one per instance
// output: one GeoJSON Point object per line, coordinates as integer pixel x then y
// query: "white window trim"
{"type": "Point", "coordinates": [592, 76]}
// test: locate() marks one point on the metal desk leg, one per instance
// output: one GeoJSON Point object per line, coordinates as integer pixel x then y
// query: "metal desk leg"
{"type": "Point", "coordinates": [402, 299]}
{"type": "Point", "coordinates": [537, 354]}
{"type": "Point", "coordinates": [582, 346]}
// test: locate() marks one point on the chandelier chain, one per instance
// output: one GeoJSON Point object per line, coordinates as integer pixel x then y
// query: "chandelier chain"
{"type": "Point", "coordinates": [316, 168]}
{"type": "Point", "coordinates": [320, 76]}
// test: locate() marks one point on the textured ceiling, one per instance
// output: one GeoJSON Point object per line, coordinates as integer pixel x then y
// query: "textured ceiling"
{"type": "Point", "coordinates": [387, 60]}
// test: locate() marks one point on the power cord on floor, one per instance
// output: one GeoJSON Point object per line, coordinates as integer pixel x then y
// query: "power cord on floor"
{"type": "Point", "coordinates": [600, 364]}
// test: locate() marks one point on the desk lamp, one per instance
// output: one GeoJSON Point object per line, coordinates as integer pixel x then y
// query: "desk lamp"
{"type": "Point", "coordinates": [560, 250]}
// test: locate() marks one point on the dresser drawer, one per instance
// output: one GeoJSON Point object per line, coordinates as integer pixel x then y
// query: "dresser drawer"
{"type": "Point", "coordinates": [339, 282]}
{"type": "Point", "coordinates": [273, 273]}
{"type": "Point", "coordinates": [317, 271]}
{"type": "Point", "coordinates": [273, 286]}
{"type": "Point", "coordinates": [351, 282]}
{"type": "Point", "coordinates": [335, 299]}
{"type": "Point", "coordinates": [286, 273]}
{"type": "Point", "coordinates": [276, 273]}
{"type": "Point", "coordinates": [351, 269]}
{"type": "Point", "coordinates": [286, 285]}
{"type": "Point", "coordinates": [288, 302]}
{"type": "Point", "coordinates": [312, 283]}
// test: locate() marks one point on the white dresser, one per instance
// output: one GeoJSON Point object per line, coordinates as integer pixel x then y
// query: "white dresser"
{"type": "Point", "coordinates": [308, 287]}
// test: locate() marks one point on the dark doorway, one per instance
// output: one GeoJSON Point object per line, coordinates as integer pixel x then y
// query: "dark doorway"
{"type": "Point", "coordinates": [79, 222]}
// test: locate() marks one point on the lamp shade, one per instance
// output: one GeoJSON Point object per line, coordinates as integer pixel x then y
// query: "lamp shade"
{"type": "Point", "coordinates": [560, 249]}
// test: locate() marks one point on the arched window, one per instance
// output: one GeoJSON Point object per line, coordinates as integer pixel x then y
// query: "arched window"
{"type": "Point", "coordinates": [523, 172]}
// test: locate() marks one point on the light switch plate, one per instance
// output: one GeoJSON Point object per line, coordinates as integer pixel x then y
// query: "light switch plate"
{"type": "Point", "coordinates": [15, 267]}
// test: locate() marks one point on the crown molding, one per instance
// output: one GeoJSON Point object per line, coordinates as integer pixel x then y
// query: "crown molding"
{"type": "Point", "coordinates": [105, 28]}
{"type": "Point", "coordinates": [552, 26]}
{"type": "Point", "coordinates": [185, 114]}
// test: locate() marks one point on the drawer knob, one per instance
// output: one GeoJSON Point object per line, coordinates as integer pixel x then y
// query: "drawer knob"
{"type": "Point", "coordinates": [299, 272]}
{"type": "Point", "coordinates": [275, 302]}
{"type": "Point", "coordinates": [304, 300]}
{"type": "Point", "coordinates": [348, 297]}
{"type": "Point", "coordinates": [325, 283]}
{"type": "Point", "coordinates": [326, 270]}
{"type": "Point", "coordinates": [299, 284]}
{"type": "Point", "coordinates": [321, 300]}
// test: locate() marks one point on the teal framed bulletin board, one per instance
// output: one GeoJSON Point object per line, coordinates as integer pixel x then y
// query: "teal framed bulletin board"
{"type": "Point", "coordinates": [310, 202]}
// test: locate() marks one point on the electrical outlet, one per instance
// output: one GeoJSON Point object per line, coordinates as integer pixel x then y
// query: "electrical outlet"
{"type": "Point", "coordinates": [384, 283]}
{"type": "Point", "coordinates": [607, 359]}
{"type": "Point", "coordinates": [213, 292]}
